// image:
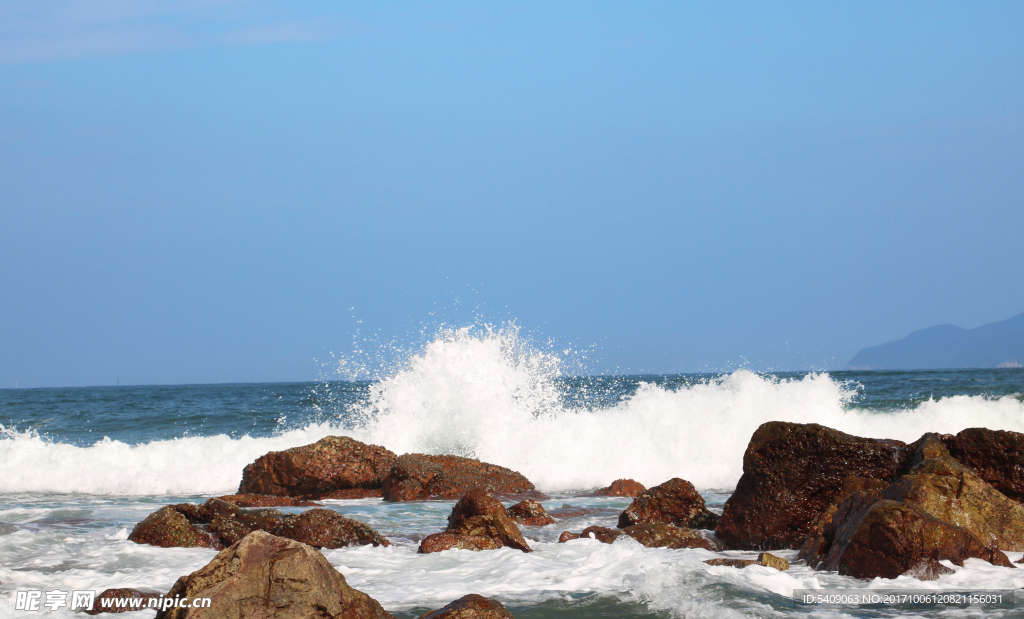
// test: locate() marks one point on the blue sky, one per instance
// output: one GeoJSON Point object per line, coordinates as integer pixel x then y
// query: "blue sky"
{"type": "Point", "coordinates": [229, 191]}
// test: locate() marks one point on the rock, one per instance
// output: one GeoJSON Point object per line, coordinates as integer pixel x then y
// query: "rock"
{"type": "Point", "coordinates": [477, 515]}
{"type": "Point", "coordinates": [567, 511]}
{"type": "Point", "coordinates": [314, 471]}
{"type": "Point", "coordinates": [791, 473]}
{"type": "Point", "coordinates": [417, 476]}
{"type": "Point", "coordinates": [946, 489]}
{"type": "Point", "coordinates": [268, 576]}
{"type": "Point", "coordinates": [622, 487]}
{"type": "Point", "coordinates": [121, 594]}
{"type": "Point", "coordinates": [266, 500]}
{"type": "Point", "coordinates": [674, 502]}
{"type": "Point", "coordinates": [355, 493]}
{"type": "Point", "coordinates": [737, 563]}
{"type": "Point", "coordinates": [567, 536]}
{"type": "Point", "coordinates": [996, 456]}
{"type": "Point", "coordinates": [605, 535]}
{"type": "Point", "coordinates": [661, 535]}
{"type": "Point", "coordinates": [822, 529]}
{"type": "Point", "coordinates": [767, 559]}
{"type": "Point", "coordinates": [928, 570]}
{"type": "Point", "coordinates": [217, 523]}
{"type": "Point", "coordinates": [471, 606]}
{"type": "Point", "coordinates": [438, 542]}
{"type": "Point", "coordinates": [892, 538]}
{"type": "Point", "coordinates": [168, 528]}
{"type": "Point", "coordinates": [531, 513]}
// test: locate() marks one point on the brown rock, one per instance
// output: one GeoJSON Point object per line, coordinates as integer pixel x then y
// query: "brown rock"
{"type": "Point", "coordinates": [622, 487]}
{"type": "Point", "coordinates": [605, 535]}
{"type": "Point", "coordinates": [355, 493]}
{"type": "Point", "coordinates": [314, 471]}
{"type": "Point", "coordinates": [928, 570]}
{"type": "Point", "coordinates": [822, 529]}
{"type": "Point", "coordinates": [265, 500]}
{"type": "Point", "coordinates": [267, 576]}
{"type": "Point", "coordinates": [892, 538]}
{"type": "Point", "coordinates": [767, 559]}
{"type": "Point", "coordinates": [996, 456]}
{"type": "Point", "coordinates": [438, 542]}
{"type": "Point", "coordinates": [478, 514]}
{"type": "Point", "coordinates": [674, 502]}
{"type": "Point", "coordinates": [791, 473]}
{"type": "Point", "coordinates": [122, 607]}
{"type": "Point", "coordinates": [418, 476]}
{"type": "Point", "coordinates": [952, 492]}
{"type": "Point", "coordinates": [168, 528]}
{"type": "Point", "coordinates": [566, 536]}
{"type": "Point", "coordinates": [471, 606]}
{"type": "Point", "coordinates": [661, 535]}
{"type": "Point", "coordinates": [217, 523]}
{"type": "Point", "coordinates": [530, 512]}
{"type": "Point", "coordinates": [737, 563]}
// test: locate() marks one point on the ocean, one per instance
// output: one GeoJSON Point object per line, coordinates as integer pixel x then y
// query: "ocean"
{"type": "Point", "coordinates": [80, 466]}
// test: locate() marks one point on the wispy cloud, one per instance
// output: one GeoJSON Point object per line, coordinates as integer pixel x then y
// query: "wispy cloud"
{"type": "Point", "coordinates": [32, 31]}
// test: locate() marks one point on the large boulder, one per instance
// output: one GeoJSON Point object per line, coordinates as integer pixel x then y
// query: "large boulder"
{"type": "Point", "coordinates": [531, 513]}
{"type": "Point", "coordinates": [791, 473]}
{"type": "Point", "coordinates": [122, 600]}
{"type": "Point", "coordinates": [217, 524]}
{"type": "Point", "coordinates": [265, 500]}
{"type": "Point", "coordinates": [674, 502]}
{"type": "Point", "coordinates": [471, 606]}
{"type": "Point", "coordinates": [332, 464]}
{"type": "Point", "coordinates": [476, 517]}
{"type": "Point", "coordinates": [996, 456]}
{"type": "Point", "coordinates": [622, 487]}
{"type": "Point", "coordinates": [169, 528]}
{"type": "Point", "coordinates": [417, 476]}
{"type": "Point", "coordinates": [946, 489]}
{"type": "Point", "coordinates": [892, 538]}
{"type": "Point", "coordinates": [267, 576]}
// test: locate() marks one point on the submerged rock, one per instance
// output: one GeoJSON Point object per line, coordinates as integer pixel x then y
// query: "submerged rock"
{"type": "Point", "coordinates": [531, 513]}
{"type": "Point", "coordinates": [471, 606]}
{"type": "Point", "coordinates": [674, 502]}
{"type": "Point", "coordinates": [268, 576]}
{"type": "Point", "coordinates": [417, 476]}
{"type": "Point", "coordinates": [169, 528]}
{"type": "Point", "coordinates": [217, 523]}
{"type": "Point", "coordinates": [765, 558]}
{"type": "Point", "coordinates": [996, 456]}
{"type": "Point", "coordinates": [121, 594]}
{"type": "Point", "coordinates": [315, 471]}
{"type": "Point", "coordinates": [622, 487]}
{"type": "Point", "coordinates": [651, 535]}
{"type": "Point", "coordinates": [477, 522]}
{"type": "Point", "coordinates": [791, 473]}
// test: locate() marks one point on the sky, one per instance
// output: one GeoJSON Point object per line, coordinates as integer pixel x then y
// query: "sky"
{"type": "Point", "coordinates": [227, 191]}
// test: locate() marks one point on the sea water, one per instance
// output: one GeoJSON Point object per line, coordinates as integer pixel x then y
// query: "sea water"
{"type": "Point", "coordinates": [80, 466]}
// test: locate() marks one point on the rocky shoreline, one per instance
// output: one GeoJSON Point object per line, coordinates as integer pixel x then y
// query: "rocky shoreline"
{"type": "Point", "coordinates": [861, 507]}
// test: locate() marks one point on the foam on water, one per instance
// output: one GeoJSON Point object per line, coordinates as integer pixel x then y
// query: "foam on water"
{"type": "Point", "coordinates": [494, 396]}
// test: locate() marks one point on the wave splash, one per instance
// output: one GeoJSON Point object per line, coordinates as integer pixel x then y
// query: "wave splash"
{"type": "Point", "coordinates": [494, 395]}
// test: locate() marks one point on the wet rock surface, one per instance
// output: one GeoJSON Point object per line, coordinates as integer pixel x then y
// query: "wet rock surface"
{"type": "Point", "coordinates": [476, 518]}
{"type": "Point", "coordinates": [217, 524]}
{"type": "Point", "coordinates": [996, 456]}
{"type": "Point", "coordinates": [471, 606]}
{"type": "Point", "coordinates": [622, 487]}
{"type": "Point", "coordinates": [531, 513]}
{"type": "Point", "coordinates": [673, 502]}
{"type": "Point", "coordinates": [765, 558]}
{"type": "Point", "coordinates": [793, 472]}
{"type": "Point", "coordinates": [169, 528]}
{"type": "Point", "coordinates": [330, 465]}
{"type": "Point", "coordinates": [268, 576]}
{"type": "Point", "coordinates": [265, 500]}
{"type": "Point", "coordinates": [418, 476]}
{"type": "Point", "coordinates": [651, 535]}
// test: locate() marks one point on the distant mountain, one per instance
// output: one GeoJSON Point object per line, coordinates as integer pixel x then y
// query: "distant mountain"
{"type": "Point", "coordinates": [995, 345]}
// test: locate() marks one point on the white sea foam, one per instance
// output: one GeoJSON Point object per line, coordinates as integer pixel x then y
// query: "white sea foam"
{"type": "Point", "coordinates": [491, 395]}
